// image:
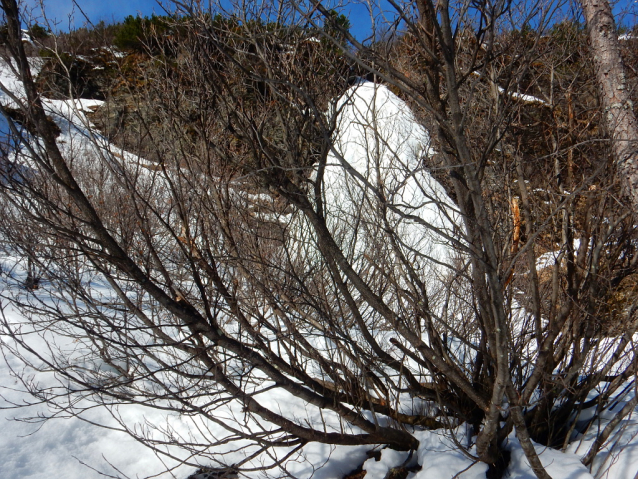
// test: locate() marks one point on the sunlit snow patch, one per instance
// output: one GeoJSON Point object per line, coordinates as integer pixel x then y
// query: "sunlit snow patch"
{"type": "Point", "coordinates": [375, 181]}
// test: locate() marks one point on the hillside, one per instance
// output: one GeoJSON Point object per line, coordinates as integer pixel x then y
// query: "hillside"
{"type": "Point", "coordinates": [261, 248]}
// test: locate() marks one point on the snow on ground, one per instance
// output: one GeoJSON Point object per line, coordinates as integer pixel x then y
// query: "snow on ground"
{"type": "Point", "coordinates": [375, 179]}
{"type": "Point", "coordinates": [380, 149]}
{"type": "Point", "coordinates": [559, 465]}
{"type": "Point", "coordinates": [77, 134]}
{"type": "Point", "coordinates": [523, 97]}
{"type": "Point", "coordinates": [73, 448]}
{"type": "Point", "coordinates": [65, 446]}
{"type": "Point", "coordinates": [618, 459]}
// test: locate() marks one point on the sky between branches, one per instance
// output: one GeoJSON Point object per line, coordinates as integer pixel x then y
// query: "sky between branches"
{"type": "Point", "coordinates": [66, 14]}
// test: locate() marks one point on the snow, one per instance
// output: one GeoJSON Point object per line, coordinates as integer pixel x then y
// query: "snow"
{"type": "Point", "coordinates": [618, 459]}
{"type": "Point", "coordinates": [440, 457]}
{"type": "Point", "coordinates": [559, 465]}
{"type": "Point", "coordinates": [65, 446]}
{"type": "Point", "coordinates": [549, 259]}
{"type": "Point", "coordinates": [519, 96]}
{"type": "Point", "coordinates": [26, 37]}
{"type": "Point", "coordinates": [363, 162]}
{"type": "Point", "coordinates": [523, 97]}
{"type": "Point", "coordinates": [377, 164]}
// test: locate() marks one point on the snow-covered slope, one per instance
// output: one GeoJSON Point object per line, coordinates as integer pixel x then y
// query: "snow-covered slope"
{"type": "Point", "coordinates": [382, 206]}
{"type": "Point", "coordinates": [374, 179]}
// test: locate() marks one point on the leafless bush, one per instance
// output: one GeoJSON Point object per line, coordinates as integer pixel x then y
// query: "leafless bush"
{"type": "Point", "coordinates": [268, 249]}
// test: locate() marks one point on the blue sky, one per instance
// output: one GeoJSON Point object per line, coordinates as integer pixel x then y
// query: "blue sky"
{"type": "Point", "coordinates": [65, 13]}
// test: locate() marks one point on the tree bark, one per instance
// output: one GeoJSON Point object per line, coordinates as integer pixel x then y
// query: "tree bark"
{"type": "Point", "coordinates": [619, 118]}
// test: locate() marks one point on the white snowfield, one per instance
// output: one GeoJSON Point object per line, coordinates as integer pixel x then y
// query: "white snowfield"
{"type": "Point", "coordinates": [378, 151]}
{"type": "Point", "coordinates": [375, 180]}
{"type": "Point", "coordinates": [376, 163]}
